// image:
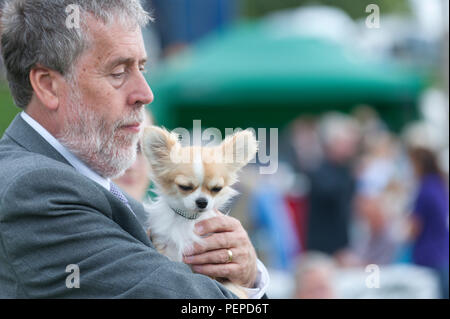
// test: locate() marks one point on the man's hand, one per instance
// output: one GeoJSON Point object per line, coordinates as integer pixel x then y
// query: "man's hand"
{"type": "Point", "coordinates": [212, 258]}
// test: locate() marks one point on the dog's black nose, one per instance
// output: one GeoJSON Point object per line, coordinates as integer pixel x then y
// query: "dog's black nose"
{"type": "Point", "coordinates": [201, 202]}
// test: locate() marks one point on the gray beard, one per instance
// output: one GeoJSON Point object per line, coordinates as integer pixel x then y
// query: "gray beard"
{"type": "Point", "coordinates": [103, 148]}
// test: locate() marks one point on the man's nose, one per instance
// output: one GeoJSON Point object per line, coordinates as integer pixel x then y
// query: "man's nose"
{"type": "Point", "coordinates": [142, 93]}
{"type": "Point", "coordinates": [201, 202]}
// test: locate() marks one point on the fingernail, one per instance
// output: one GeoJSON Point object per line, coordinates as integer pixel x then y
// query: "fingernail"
{"type": "Point", "coordinates": [187, 259]}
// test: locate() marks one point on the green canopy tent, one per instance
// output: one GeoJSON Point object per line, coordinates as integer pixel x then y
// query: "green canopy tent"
{"type": "Point", "coordinates": [249, 76]}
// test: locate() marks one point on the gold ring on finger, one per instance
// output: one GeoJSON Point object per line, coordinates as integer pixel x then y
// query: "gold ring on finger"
{"type": "Point", "coordinates": [230, 256]}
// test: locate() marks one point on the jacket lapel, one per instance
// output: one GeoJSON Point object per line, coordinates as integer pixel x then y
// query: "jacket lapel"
{"type": "Point", "coordinates": [129, 221]}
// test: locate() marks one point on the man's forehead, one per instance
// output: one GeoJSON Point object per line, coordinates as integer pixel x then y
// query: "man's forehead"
{"type": "Point", "coordinates": [111, 34]}
{"type": "Point", "coordinates": [116, 43]}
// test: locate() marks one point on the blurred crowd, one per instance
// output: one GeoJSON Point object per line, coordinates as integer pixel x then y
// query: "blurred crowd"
{"type": "Point", "coordinates": [351, 193]}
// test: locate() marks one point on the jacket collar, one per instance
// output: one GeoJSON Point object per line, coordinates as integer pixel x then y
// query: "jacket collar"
{"type": "Point", "coordinates": [24, 135]}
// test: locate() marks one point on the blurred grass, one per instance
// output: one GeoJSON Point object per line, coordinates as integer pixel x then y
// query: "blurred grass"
{"type": "Point", "coordinates": [7, 108]}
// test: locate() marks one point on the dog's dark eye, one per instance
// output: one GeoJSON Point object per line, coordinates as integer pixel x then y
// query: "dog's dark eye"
{"type": "Point", "coordinates": [216, 189]}
{"type": "Point", "coordinates": [185, 188]}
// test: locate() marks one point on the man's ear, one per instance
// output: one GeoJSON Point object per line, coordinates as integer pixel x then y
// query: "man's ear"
{"type": "Point", "coordinates": [157, 144]}
{"type": "Point", "coordinates": [239, 149]}
{"type": "Point", "coordinates": [46, 83]}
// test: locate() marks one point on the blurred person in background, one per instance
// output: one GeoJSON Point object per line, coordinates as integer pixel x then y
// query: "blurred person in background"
{"type": "Point", "coordinates": [430, 216]}
{"type": "Point", "coordinates": [314, 277]}
{"type": "Point", "coordinates": [300, 145]}
{"type": "Point", "coordinates": [380, 201]}
{"type": "Point", "coordinates": [301, 149]}
{"type": "Point", "coordinates": [333, 186]}
{"type": "Point", "coordinates": [136, 180]}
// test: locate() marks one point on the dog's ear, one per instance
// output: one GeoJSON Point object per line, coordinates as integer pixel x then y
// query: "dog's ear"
{"type": "Point", "coordinates": [239, 149]}
{"type": "Point", "coordinates": [157, 144]}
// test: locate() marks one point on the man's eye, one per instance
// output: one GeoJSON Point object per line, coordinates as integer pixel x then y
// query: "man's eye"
{"type": "Point", "coordinates": [185, 188]}
{"type": "Point", "coordinates": [216, 189]}
{"type": "Point", "coordinates": [118, 75]}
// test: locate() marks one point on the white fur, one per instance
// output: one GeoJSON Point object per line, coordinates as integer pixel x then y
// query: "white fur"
{"type": "Point", "coordinates": [173, 234]}
{"type": "Point", "coordinates": [198, 167]}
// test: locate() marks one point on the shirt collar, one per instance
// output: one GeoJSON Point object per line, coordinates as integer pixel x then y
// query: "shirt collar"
{"type": "Point", "coordinates": [70, 157]}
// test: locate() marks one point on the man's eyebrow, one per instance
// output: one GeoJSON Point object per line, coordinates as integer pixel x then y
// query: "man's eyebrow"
{"type": "Point", "coordinates": [126, 61]}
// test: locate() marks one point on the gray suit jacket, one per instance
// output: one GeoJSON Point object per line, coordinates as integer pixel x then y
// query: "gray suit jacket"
{"type": "Point", "coordinates": [51, 217]}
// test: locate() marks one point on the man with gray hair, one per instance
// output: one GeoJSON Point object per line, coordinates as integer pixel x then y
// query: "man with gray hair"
{"type": "Point", "coordinates": [66, 231]}
{"type": "Point", "coordinates": [314, 276]}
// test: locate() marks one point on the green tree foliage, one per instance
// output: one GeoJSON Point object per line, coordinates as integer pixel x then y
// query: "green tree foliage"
{"type": "Point", "coordinates": [7, 108]}
{"type": "Point", "coordinates": [355, 8]}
